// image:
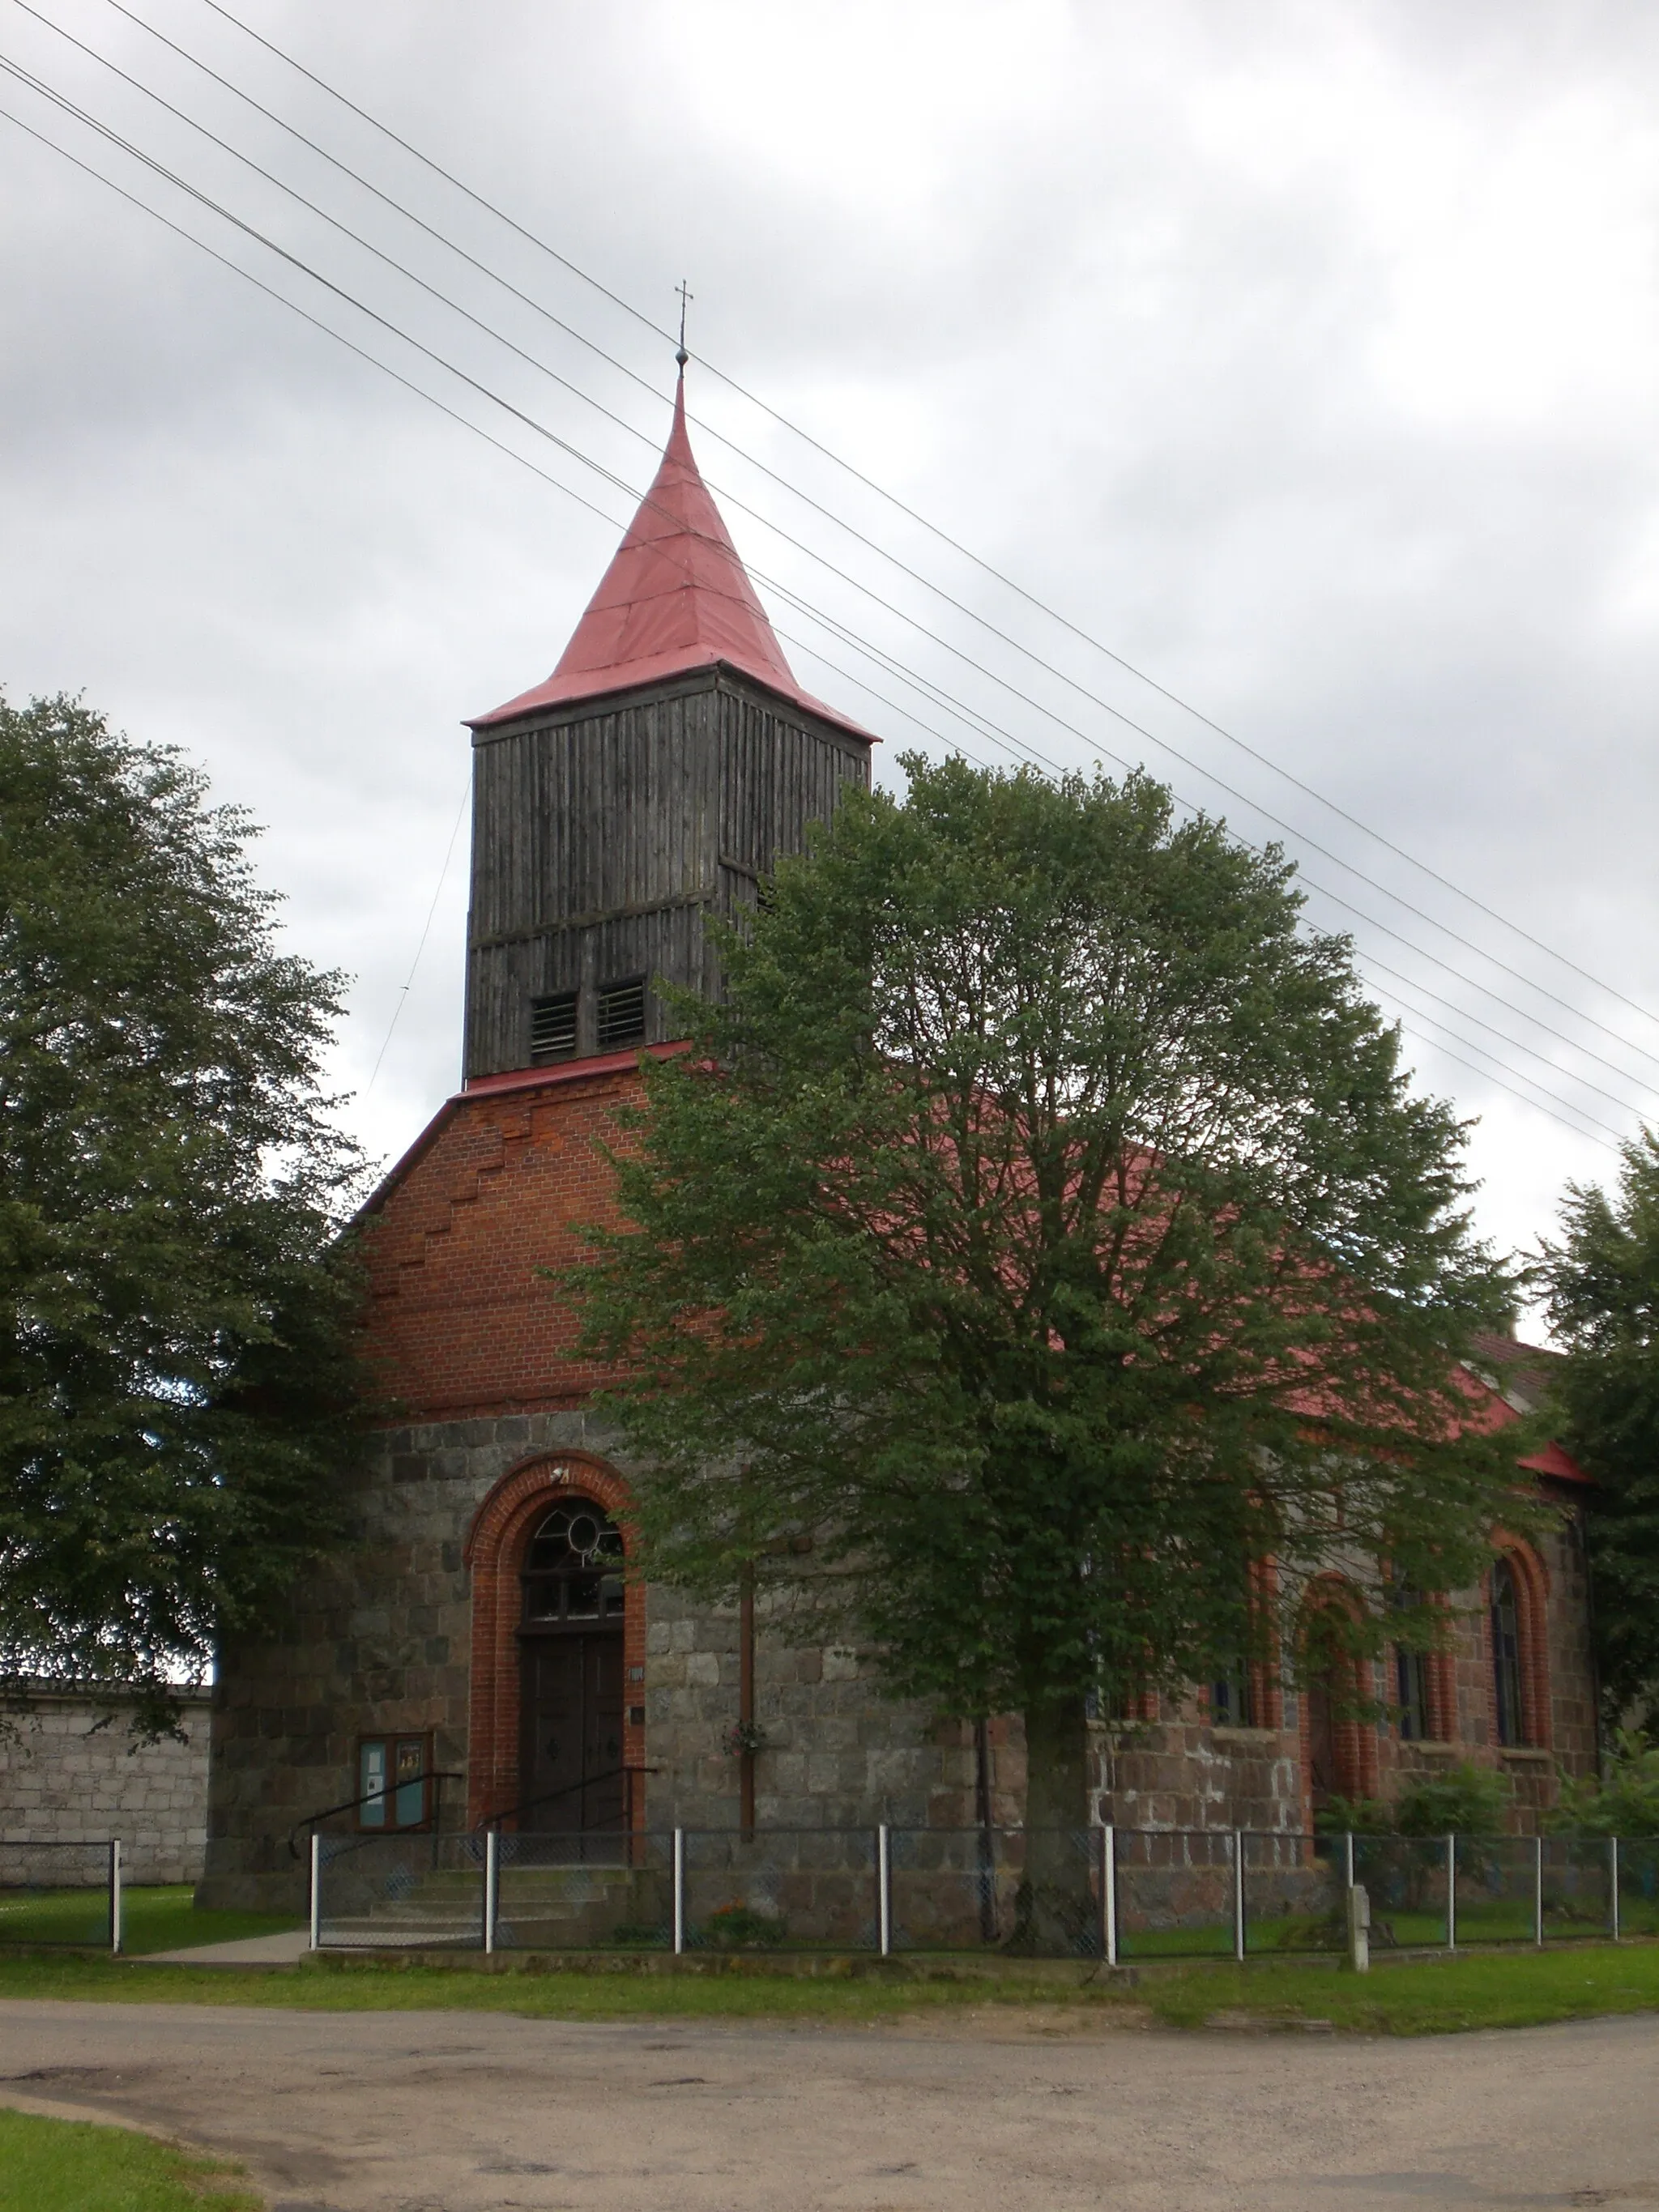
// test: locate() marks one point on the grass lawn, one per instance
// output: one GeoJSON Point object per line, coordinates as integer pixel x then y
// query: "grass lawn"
{"type": "Point", "coordinates": [160, 1919]}
{"type": "Point", "coordinates": [1518, 1989]}
{"type": "Point", "coordinates": [72, 2165]}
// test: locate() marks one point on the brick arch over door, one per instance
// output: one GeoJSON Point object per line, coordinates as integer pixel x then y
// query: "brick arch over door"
{"type": "Point", "coordinates": [1532, 1588]}
{"type": "Point", "coordinates": [1352, 1740]}
{"type": "Point", "coordinates": [496, 1546]}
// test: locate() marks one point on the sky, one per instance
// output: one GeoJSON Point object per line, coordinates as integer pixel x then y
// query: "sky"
{"type": "Point", "coordinates": [1302, 359]}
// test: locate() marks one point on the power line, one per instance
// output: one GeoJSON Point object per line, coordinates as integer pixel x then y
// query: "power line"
{"type": "Point", "coordinates": [455, 415]}
{"type": "Point", "coordinates": [815, 615]}
{"type": "Point", "coordinates": [1611, 1142]}
{"type": "Point", "coordinates": [945, 699]}
{"type": "Point", "coordinates": [437, 893]}
{"type": "Point", "coordinates": [912, 514]}
{"type": "Point", "coordinates": [1023, 698]}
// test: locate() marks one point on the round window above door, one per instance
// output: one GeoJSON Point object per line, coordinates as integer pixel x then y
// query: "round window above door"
{"type": "Point", "coordinates": [573, 1568]}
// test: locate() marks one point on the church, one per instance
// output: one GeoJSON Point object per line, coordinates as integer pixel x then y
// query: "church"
{"type": "Point", "coordinates": [478, 1654]}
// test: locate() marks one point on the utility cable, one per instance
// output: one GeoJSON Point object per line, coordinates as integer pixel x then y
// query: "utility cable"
{"type": "Point", "coordinates": [465, 423]}
{"type": "Point", "coordinates": [912, 514]}
{"type": "Point", "coordinates": [426, 931]}
{"type": "Point", "coordinates": [1025, 699]}
{"type": "Point", "coordinates": [1611, 1142]}
{"type": "Point", "coordinates": [814, 614]}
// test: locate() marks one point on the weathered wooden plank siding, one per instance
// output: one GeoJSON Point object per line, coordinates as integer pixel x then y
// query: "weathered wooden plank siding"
{"type": "Point", "coordinates": [601, 838]}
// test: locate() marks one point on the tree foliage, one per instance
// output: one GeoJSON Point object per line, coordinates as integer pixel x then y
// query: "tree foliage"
{"type": "Point", "coordinates": [1601, 1281]}
{"type": "Point", "coordinates": [175, 1376]}
{"type": "Point", "coordinates": [1623, 1800]}
{"type": "Point", "coordinates": [1042, 1230]}
{"type": "Point", "coordinates": [1464, 1800]}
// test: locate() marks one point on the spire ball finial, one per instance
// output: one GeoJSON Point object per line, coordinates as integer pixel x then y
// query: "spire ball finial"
{"type": "Point", "coordinates": [687, 295]}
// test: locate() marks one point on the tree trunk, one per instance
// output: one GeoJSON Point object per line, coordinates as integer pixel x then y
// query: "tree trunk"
{"type": "Point", "coordinates": [1056, 1912]}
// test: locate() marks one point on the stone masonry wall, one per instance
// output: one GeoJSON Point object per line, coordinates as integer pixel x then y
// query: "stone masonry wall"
{"type": "Point", "coordinates": [65, 1780]}
{"type": "Point", "coordinates": [1177, 1772]}
{"type": "Point", "coordinates": [379, 1642]}
{"type": "Point", "coordinates": [466, 1327]}
{"type": "Point", "coordinates": [837, 1754]}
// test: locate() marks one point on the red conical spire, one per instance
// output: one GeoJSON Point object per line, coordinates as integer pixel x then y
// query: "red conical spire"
{"type": "Point", "coordinates": [675, 597]}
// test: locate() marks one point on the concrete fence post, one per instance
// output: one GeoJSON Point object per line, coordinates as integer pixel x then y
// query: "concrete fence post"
{"type": "Point", "coordinates": [115, 1898]}
{"type": "Point", "coordinates": [1347, 1859]}
{"type": "Point", "coordinates": [1451, 1892]}
{"type": "Point", "coordinates": [1359, 1928]}
{"type": "Point", "coordinates": [679, 1892]}
{"type": "Point", "coordinates": [883, 1892]}
{"type": "Point", "coordinates": [492, 1886]}
{"type": "Point", "coordinates": [316, 1889]}
{"type": "Point", "coordinates": [1238, 1895]}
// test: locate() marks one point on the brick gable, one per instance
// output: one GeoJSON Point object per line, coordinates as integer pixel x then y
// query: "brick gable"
{"type": "Point", "coordinates": [460, 1320]}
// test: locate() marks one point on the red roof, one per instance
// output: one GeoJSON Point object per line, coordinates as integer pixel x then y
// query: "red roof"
{"type": "Point", "coordinates": [676, 597]}
{"type": "Point", "coordinates": [1552, 1461]}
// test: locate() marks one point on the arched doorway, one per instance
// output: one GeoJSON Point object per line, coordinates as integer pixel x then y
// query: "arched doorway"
{"type": "Point", "coordinates": [1324, 1780]}
{"type": "Point", "coordinates": [498, 1549]}
{"type": "Point", "coordinates": [571, 1775]}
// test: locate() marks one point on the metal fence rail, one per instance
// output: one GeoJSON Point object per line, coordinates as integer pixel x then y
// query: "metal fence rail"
{"type": "Point", "coordinates": [1115, 1894]}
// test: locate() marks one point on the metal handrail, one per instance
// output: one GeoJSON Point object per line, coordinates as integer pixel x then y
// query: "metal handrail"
{"type": "Point", "coordinates": [368, 1797]}
{"type": "Point", "coordinates": [570, 1790]}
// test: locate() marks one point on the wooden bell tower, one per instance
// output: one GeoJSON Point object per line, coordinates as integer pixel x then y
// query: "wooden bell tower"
{"type": "Point", "coordinates": [650, 782]}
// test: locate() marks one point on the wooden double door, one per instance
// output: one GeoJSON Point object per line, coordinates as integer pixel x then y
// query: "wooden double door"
{"type": "Point", "coordinates": [571, 1743]}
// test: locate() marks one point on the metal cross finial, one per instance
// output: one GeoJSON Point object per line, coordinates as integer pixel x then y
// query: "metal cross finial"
{"type": "Point", "coordinates": [686, 297]}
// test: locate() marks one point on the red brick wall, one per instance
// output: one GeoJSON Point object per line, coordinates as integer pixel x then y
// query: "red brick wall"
{"type": "Point", "coordinates": [459, 1321]}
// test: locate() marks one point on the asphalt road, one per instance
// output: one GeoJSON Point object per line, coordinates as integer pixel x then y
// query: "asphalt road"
{"type": "Point", "coordinates": [464, 2113]}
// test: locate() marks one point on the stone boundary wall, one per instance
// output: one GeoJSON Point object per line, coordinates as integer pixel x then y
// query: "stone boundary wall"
{"type": "Point", "coordinates": [64, 1779]}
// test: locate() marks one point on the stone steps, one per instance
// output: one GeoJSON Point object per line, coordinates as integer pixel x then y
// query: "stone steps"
{"type": "Point", "coordinates": [539, 1908]}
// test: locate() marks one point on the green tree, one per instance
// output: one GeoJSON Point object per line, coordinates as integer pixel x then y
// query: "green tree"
{"type": "Point", "coordinates": [1602, 1283]}
{"type": "Point", "coordinates": [1623, 1800]}
{"type": "Point", "coordinates": [1041, 1229]}
{"type": "Point", "coordinates": [1464, 1800]}
{"type": "Point", "coordinates": [175, 1302]}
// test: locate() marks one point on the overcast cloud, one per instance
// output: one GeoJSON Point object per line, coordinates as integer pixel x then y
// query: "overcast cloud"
{"type": "Point", "coordinates": [1306, 356]}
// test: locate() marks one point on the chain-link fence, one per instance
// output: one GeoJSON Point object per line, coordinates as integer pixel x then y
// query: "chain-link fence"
{"type": "Point", "coordinates": [1118, 1895]}
{"type": "Point", "coordinates": [53, 1893]}
{"type": "Point", "coordinates": [415, 1891]}
{"type": "Point", "coordinates": [773, 1889]}
{"type": "Point", "coordinates": [590, 1892]}
{"type": "Point", "coordinates": [1176, 1893]}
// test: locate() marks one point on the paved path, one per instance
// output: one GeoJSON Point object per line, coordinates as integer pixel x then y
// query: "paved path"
{"type": "Point", "coordinates": [286, 1948]}
{"type": "Point", "coordinates": [464, 2113]}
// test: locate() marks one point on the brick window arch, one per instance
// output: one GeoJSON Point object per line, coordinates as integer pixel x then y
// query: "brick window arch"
{"type": "Point", "coordinates": [1517, 1647]}
{"type": "Point", "coordinates": [496, 1546]}
{"type": "Point", "coordinates": [1339, 1747]}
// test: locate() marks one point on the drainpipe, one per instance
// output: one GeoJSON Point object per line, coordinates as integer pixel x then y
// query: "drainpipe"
{"type": "Point", "coordinates": [746, 1702]}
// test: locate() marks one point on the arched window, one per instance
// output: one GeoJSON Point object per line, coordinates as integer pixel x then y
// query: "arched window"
{"type": "Point", "coordinates": [1411, 1673]}
{"type": "Point", "coordinates": [1230, 1702]}
{"type": "Point", "coordinates": [573, 1570]}
{"type": "Point", "coordinates": [1505, 1613]}
{"type": "Point", "coordinates": [1339, 1739]}
{"type": "Point", "coordinates": [1411, 1691]}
